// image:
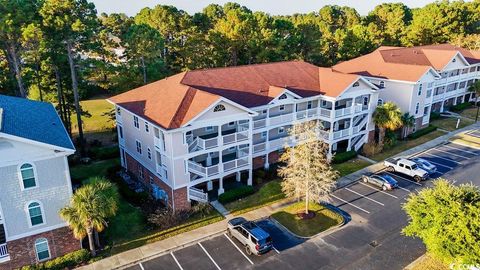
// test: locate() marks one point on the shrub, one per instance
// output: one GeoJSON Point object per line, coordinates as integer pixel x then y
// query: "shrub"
{"type": "Point", "coordinates": [460, 107]}
{"type": "Point", "coordinates": [136, 198]}
{"type": "Point", "coordinates": [422, 132]}
{"type": "Point", "coordinates": [434, 116]}
{"type": "Point", "coordinates": [165, 218]}
{"type": "Point", "coordinates": [370, 149]}
{"type": "Point", "coordinates": [102, 153]}
{"type": "Point", "coordinates": [68, 261]}
{"type": "Point", "coordinates": [342, 157]}
{"type": "Point", "coordinates": [390, 139]}
{"type": "Point", "coordinates": [235, 194]}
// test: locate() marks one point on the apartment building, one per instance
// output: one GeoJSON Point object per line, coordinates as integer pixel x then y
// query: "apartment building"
{"type": "Point", "coordinates": [183, 135]}
{"type": "Point", "coordinates": [419, 79]}
{"type": "Point", "coordinates": [35, 183]}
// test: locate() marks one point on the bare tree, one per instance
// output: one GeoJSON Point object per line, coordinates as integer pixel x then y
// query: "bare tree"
{"type": "Point", "coordinates": [307, 172]}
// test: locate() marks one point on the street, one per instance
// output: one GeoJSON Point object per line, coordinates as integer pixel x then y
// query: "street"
{"type": "Point", "coordinates": [370, 240]}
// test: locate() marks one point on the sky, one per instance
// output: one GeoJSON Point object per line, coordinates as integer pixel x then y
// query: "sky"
{"type": "Point", "coordinates": [273, 7]}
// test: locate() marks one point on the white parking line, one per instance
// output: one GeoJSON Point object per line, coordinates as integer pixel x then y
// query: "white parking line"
{"type": "Point", "coordinates": [405, 180]}
{"type": "Point", "coordinates": [386, 193]}
{"type": "Point", "coordinates": [239, 250]}
{"type": "Point", "coordinates": [370, 199]}
{"type": "Point", "coordinates": [439, 164]}
{"type": "Point", "coordinates": [141, 266]}
{"type": "Point", "coordinates": [218, 267]}
{"type": "Point", "coordinates": [276, 250]}
{"type": "Point", "coordinates": [447, 159]}
{"type": "Point", "coordinates": [436, 149]}
{"type": "Point", "coordinates": [350, 204]}
{"type": "Point", "coordinates": [175, 259]}
{"type": "Point", "coordinates": [459, 149]}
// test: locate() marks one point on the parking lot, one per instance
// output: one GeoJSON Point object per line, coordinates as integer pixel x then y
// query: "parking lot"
{"type": "Point", "coordinates": [361, 201]}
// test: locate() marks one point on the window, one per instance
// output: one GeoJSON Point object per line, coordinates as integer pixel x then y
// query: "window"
{"type": "Point", "coordinates": [380, 102]}
{"type": "Point", "coordinates": [219, 108]}
{"type": "Point", "coordinates": [150, 180]}
{"type": "Point", "coordinates": [356, 84]}
{"type": "Point", "coordinates": [324, 103]}
{"type": "Point", "coordinates": [147, 129]}
{"type": "Point", "coordinates": [135, 122]}
{"type": "Point", "coordinates": [209, 128]}
{"type": "Point", "coordinates": [119, 112]}
{"type": "Point", "coordinates": [416, 108]}
{"type": "Point", "coordinates": [382, 84]}
{"type": "Point", "coordinates": [282, 107]}
{"type": "Point", "coordinates": [231, 124]}
{"type": "Point", "coordinates": [309, 105]}
{"type": "Point", "coordinates": [283, 96]}
{"type": "Point", "coordinates": [28, 176]}
{"type": "Point", "coordinates": [454, 60]}
{"type": "Point", "coordinates": [281, 130]}
{"type": "Point", "coordinates": [263, 135]}
{"type": "Point", "coordinates": [420, 89]}
{"type": "Point", "coordinates": [42, 250]}
{"type": "Point", "coordinates": [149, 153]}
{"type": "Point", "coordinates": [139, 147]}
{"type": "Point", "coordinates": [365, 101]}
{"type": "Point", "coordinates": [264, 112]}
{"type": "Point", "coordinates": [35, 213]}
{"type": "Point", "coordinates": [120, 131]}
{"type": "Point", "coordinates": [140, 171]}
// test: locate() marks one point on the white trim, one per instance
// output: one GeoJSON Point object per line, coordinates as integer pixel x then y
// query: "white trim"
{"type": "Point", "coordinates": [68, 176]}
{"type": "Point", "coordinates": [35, 232]}
{"type": "Point", "coordinates": [20, 177]}
{"type": "Point", "coordinates": [48, 249]}
{"type": "Point", "coordinates": [28, 141]}
{"type": "Point", "coordinates": [27, 208]}
{"type": "Point", "coordinates": [451, 61]}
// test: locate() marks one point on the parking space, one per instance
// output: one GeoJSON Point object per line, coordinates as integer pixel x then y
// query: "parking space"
{"type": "Point", "coordinates": [474, 133]}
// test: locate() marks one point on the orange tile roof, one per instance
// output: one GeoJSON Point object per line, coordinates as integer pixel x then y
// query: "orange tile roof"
{"type": "Point", "coordinates": [174, 101]}
{"type": "Point", "coordinates": [407, 64]}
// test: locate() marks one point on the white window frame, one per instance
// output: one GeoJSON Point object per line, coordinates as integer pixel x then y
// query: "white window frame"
{"type": "Point", "coordinates": [20, 177]}
{"type": "Point", "coordinates": [120, 131]}
{"type": "Point", "coordinates": [420, 89]}
{"type": "Point", "coordinates": [356, 84]}
{"type": "Point", "coordinates": [417, 108]}
{"type": "Point", "coordinates": [138, 145]}
{"type": "Point", "coordinates": [281, 130]}
{"type": "Point", "coordinates": [119, 111]}
{"type": "Point", "coordinates": [147, 127]}
{"type": "Point", "coordinates": [264, 111]}
{"type": "Point", "coordinates": [27, 208]}
{"type": "Point", "coordinates": [281, 108]}
{"type": "Point", "coordinates": [381, 84]}
{"type": "Point", "coordinates": [263, 135]}
{"type": "Point", "coordinates": [219, 108]}
{"type": "Point", "coordinates": [379, 102]}
{"type": "Point", "coordinates": [149, 153]}
{"type": "Point", "coordinates": [309, 105]}
{"type": "Point", "coordinates": [209, 128]}
{"type": "Point", "coordinates": [140, 171]}
{"type": "Point", "coordinates": [36, 243]}
{"type": "Point", "coordinates": [231, 124]}
{"type": "Point", "coordinates": [365, 101]}
{"type": "Point", "coordinates": [135, 122]}
{"type": "Point", "coordinates": [324, 103]}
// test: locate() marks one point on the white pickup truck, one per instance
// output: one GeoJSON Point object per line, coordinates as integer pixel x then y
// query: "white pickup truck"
{"type": "Point", "coordinates": [407, 167]}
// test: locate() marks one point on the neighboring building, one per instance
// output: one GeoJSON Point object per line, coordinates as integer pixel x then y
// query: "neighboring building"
{"type": "Point", "coordinates": [184, 134]}
{"type": "Point", "coordinates": [419, 79]}
{"type": "Point", "coordinates": [35, 183]}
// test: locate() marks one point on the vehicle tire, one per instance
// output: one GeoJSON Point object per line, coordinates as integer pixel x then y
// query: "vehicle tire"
{"type": "Point", "coordinates": [365, 179]}
{"type": "Point", "coordinates": [417, 178]}
{"type": "Point", "coordinates": [384, 187]}
{"type": "Point", "coordinates": [248, 250]}
{"type": "Point", "coordinates": [391, 169]}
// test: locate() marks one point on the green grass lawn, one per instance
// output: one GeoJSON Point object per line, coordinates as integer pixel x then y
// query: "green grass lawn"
{"type": "Point", "coordinates": [99, 168]}
{"type": "Point", "coordinates": [470, 113]}
{"type": "Point", "coordinates": [323, 220]}
{"type": "Point", "coordinates": [405, 145]}
{"type": "Point", "coordinates": [350, 166]}
{"type": "Point", "coordinates": [97, 122]}
{"type": "Point", "coordinates": [450, 123]}
{"type": "Point", "coordinates": [267, 194]}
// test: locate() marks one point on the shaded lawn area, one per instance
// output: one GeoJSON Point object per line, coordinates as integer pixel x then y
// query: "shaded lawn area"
{"type": "Point", "coordinates": [450, 123]}
{"type": "Point", "coordinates": [267, 194]}
{"type": "Point", "coordinates": [405, 145]}
{"type": "Point", "coordinates": [323, 220]}
{"type": "Point", "coordinates": [350, 166]}
{"type": "Point", "coordinates": [84, 171]}
{"type": "Point", "coordinates": [470, 113]}
{"type": "Point", "coordinates": [430, 263]}
{"type": "Point", "coordinates": [129, 229]}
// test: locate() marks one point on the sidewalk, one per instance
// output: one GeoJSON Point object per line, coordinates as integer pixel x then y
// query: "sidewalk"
{"type": "Point", "coordinates": [177, 242]}
{"type": "Point", "coordinates": [189, 238]}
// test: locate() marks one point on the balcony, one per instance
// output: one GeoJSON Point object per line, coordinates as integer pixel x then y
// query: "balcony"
{"type": "Point", "coordinates": [309, 113]}
{"type": "Point", "coordinates": [231, 160]}
{"type": "Point", "coordinates": [199, 169]}
{"type": "Point", "coordinates": [257, 124]}
{"type": "Point", "coordinates": [281, 119]}
{"type": "Point", "coordinates": [259, 147]}
{"type": "Point", "coordinates": [341, 133]}
{"type": "Point", "coordinates": [236, 137]}
{"type": "Point", "coordinates": [235, 164]}
{"type": "Point", "coordinates": [205, 141]}
{"type": "Point", "coordinates": [197, 195]}
{"type": "Point", "coordinates": [326, 113]}
{"type": "Point", "coordinates": [343, 112]}
{"type": "Point", "coordinates": [4, 256]}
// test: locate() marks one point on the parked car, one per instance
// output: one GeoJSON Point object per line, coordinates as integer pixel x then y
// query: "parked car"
{"type": "Point", "coordinates": [254, 239]}
{"type": "Point", "coordinates": [427, 166]}
{"type": "Point", "coordinates": [384, 181]}
{"type": "Point", "coordinates": [407, 167]}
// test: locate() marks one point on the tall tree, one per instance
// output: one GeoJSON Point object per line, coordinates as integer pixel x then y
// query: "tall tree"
{"type": "Point", "coordinates": [387, 116]}
{"type": "Point", "coordinates": [408, 121]}
{"type": "Point", "coordinates": [391, 20]}
{"type": "Point", "coordinates": [446, 218]}
{"type": "Point", "coordinates": [75, 23]}
{"type": "Point", "coordinates": [307, 172]}
{"type": "Point", "coordinates": [475, 88]}
{"type": "Point", "coordinates": [90, 207]}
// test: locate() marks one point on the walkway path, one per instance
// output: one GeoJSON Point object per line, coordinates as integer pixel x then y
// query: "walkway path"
{"type": "Point", "coordinates": [220, 208]}
{"type": "Point", "coordinates": [189, 238]}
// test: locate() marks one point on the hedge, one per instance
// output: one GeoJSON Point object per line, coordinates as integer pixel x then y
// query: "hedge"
{"type": "Point", "coordinates": [460, 107]}
{"type": "Point", "coordinates": [434, 116]}
{"type": "Point", "coordinates": [344, 156]}
{"type": "Point", "coordinates": [135, 198]}
{"type": "Point", "coordinates": [235, 194]}
{"type": "Point", "coordinates": [67, 261]}
{"type": "Point", "coordinates": [422, 132]}
{"type": "Point", "coordinates": [102, 153]}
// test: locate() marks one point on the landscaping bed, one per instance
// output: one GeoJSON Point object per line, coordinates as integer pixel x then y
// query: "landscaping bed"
{"type": "Point", "coordinates": [323, 219]}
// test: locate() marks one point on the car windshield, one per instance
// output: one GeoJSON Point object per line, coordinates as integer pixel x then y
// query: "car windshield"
{"type": "Point", "coordinates": [389, 179]}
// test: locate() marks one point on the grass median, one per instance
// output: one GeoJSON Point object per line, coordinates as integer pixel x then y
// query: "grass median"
{"type": "Point", "coordinates": [323, 220]}
{"type": "Point", "coordinates": [450, 123]}
{"type": "Point", "coordinates": [350, 166]}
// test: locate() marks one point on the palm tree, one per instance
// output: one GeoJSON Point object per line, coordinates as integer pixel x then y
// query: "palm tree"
{"type": "Point", "coordinates": [387, 116]}
{"type": "Point", "coordinates": [476, 89]}
{"type": "Point", "coordinates": [408, 121]}
{"type": "Point", "coordinates": [89, 209]}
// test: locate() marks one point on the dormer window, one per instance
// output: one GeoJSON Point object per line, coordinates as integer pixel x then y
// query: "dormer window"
{"type": "Point", "coordinates": [454, 60]}
{"type": "Point", "coordinates": [356, 84]}
{"type": "Point", "coordinates": [284, 96]}
{"type": "Point", "coordinates": [382, 84]}
{"type": "Point", "coordinates": [219, 108]}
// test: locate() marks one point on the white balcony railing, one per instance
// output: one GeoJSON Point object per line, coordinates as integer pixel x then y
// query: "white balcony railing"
{"type": "Point", "coordinates": [359, 107]}
{"type": "Point", "coordinates": [341, 133]}
{"type": "Point", "coordinates": [326, 113]}
{"type": "Point", "coordinates": [358, 127]}
{"type": "Point", "coordinates": [280, 119]}
{"type": "Point", "coordinates": [197, 195]}
{"type": "Point", "coordinates": [344, 111]}
{"type": "Point", "coordinates": [3, 250]}
{"type": "Point", "coordinates": [259, 123]}
{"type": "Point", "coordinates": [324, 134]}
{"type": "Point", "coordinates": [202, 171]}
{"type": "Point", "coordinates": [307, 113]}
{"type": "Point", "coordinates": [259, 148]}
{"type": "Point", "coordinates": [199, 143]}
{"type": "Point", "coordinates": [235, 137]}
{"type": "Point", "coordinates": [234, 164]}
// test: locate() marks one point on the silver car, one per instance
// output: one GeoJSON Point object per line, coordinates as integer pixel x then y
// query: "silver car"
{"type": "Point", "coordinates": [254, 239]}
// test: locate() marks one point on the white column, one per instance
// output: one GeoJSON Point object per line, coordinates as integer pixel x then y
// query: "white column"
{"type": "Point", "coordinates": [238, 176]}
{"type": "Point", "coordinates": [266, 165]}
{"type": "Point", "coordinates": [250, 176]}
{"type": "Point", "coordinates": [267, 148]}
{"type": "Point", "coordinates": [209, 160]}
{"type": "Point", "coordinates": [220, 188]}
{"type": "Point", "coordinates": [210, 185]}
{"type": "Point", "coordinates": [220, 138]}
{"type": "Point", "coordinates": [349, 146]}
